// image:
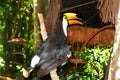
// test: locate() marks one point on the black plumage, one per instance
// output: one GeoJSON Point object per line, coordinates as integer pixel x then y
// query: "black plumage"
{"type": "Point", "coordinates": [53, 51]}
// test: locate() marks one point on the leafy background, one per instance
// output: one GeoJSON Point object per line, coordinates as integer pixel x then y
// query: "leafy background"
{"type": "Point", "coordinates": [16, 21]}
{"type": "Point", "coordinates": [97, 58]}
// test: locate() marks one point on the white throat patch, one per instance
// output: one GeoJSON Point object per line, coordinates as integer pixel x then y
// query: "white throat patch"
{"type": "Point", "coordinates": [64, 25]}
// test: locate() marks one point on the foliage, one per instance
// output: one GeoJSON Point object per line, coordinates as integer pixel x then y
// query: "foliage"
{"type": "Point", "coordinates": [93, 70]}
{"type": "Point", "coordinates": [16, 21]}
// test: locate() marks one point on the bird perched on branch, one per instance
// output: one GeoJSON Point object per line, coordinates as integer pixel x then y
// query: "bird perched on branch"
{"type": "Point", "coordinates": [54, 50]}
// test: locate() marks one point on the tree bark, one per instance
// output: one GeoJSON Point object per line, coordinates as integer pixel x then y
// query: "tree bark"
{"type": "Point", "coordinates": [39, 7]}
{"type": "Point", "coordinates": [114, 66]}
{"type": "Point", "coordinates": [37, 37]}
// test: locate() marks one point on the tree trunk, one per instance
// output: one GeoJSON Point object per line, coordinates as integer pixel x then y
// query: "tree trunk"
{"type": "Point", "coordinates": [114, 66]}
{"type": "Point", "coordinates": [37, 37]}
{"type": "Point", "coordinates": [39, 7]}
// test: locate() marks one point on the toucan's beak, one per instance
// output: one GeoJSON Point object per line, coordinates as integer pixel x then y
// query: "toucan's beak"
{"type": "Point", "coordinates": [73, 19]}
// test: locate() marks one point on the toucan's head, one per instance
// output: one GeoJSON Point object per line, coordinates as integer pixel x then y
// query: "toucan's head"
{"type": "Point", "coordinates": [70, 19]}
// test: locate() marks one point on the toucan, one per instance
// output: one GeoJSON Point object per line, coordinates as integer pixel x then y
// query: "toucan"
{"type": "Point", "coordinates": [54, 50]}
